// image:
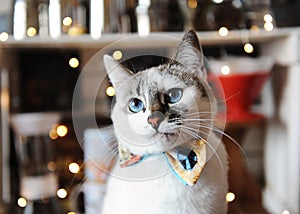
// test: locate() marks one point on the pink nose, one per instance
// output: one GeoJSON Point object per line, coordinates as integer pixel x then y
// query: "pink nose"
{"type": "Point", "coordinates": [155, 119]}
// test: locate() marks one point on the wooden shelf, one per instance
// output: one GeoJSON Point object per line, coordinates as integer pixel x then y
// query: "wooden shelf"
{"type": "Point", "coordinates": [152, 40]}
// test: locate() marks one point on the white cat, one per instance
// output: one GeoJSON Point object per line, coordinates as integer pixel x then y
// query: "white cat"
{"type": "Point", "coordinates": [170, 160]}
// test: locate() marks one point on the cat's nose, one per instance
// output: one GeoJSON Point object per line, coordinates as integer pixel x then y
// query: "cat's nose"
{"type": "Point", "coordinates": [155, 119]}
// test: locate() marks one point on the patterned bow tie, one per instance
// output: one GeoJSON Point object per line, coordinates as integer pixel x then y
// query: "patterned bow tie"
{"type": "Point", "coordinates": [186, 163]}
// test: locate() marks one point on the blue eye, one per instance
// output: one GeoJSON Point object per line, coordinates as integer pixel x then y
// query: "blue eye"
{"type": "Point", "coordinates": [174, 95]}
{"type": "Point", "coordinates": [136, 105]}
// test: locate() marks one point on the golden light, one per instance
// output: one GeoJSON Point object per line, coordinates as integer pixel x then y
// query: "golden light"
{"type": "Point", "coordinates": [3, 37]}
{"type": "Point", "coordinates": [117, 55]}
{"type": "Point", "coordinates": [217, 1]}
{"type": "Point", "coordinates": [248, 48]}
{"type": "Point", "coordinates": [71, 213]}
{"type": "Point", "coordinates": [62, 193]}
{"type": "Point", "coordinates": [51, 166]}
{"type": "Point", "coordinates": [31, 32]}
{"type": "Point", "coordinates": [74, 167]}
{"type": "Point", "coordinates": [230, 197]}
{"type": "Point", "coordinates": [192, 4]}
{"type": "Point", "coordinates": [268, 26]}
{"type": "Point", "coordinates": [67, 21]}
{"type": "Point", "coordinates": [22, 202]}
{"type": "Point", "coordinates": [285, 212]}
{"type": "Point", "coordinates": [62, 130]}
{"type": "Point", "coordinates": [223, 31]}
{"type": "Point", "coordinates": [110, 91]}
{"type": "Point", "coordinates": [268, 18]}
{"type": "Point", "coordinates": [225, 70]}
{"type": "Point", "coordinates": [74, 62]}
{"type": "Point", "coordinates": [53, 134]}
{"type": "Point", "coordinates": [254, 28]}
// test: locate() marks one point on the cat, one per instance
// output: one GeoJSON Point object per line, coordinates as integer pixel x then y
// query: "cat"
{"type": "Point", "coordinates": [171, 162]}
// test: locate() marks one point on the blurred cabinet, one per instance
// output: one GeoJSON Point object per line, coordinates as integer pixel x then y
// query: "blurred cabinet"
{"type": "Point", "coordinates": [282, 134]}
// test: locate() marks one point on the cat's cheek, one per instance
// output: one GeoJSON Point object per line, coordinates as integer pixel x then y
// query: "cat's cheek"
{"type": "Point", "coordinates": [138, 124]}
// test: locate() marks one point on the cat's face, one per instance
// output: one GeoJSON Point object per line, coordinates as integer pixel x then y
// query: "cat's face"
{"type": "Point", "coordinates": [161, 107]}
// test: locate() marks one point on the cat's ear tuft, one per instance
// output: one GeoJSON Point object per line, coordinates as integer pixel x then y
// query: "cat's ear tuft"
{"type": "Point", "coordinates": [116, 72]}
{"type": "Point", "coordinates": [190, 55]}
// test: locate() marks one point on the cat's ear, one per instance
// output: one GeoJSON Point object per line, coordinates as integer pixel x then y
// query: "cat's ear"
{"type": "Point", "coordinates": [190, 55]}
{"type": "Point", "coordinates": [116, 72]}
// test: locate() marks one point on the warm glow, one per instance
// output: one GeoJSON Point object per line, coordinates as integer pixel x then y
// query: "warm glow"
{"type": "Point", "coordinates": [61, 193]}
{"type": "Point", "coordinates": [225, 70]}
{"type": "Point", "coordinates": [74, 62]}
{"type": "Point", "coordinates": [3, 37]}
{"type": "Point", "coordinates": [110, 91]}
{"type": "Point", "coordinates": [217, 1]}
{"type": "Point", "coordinates": [62, 130]}
{"type": "Point", "coordinates": [285, 212]}
{"type": "Point", "coordinates": [22, 202]}
{"type": "Point", "coordinates": [268, 18]}
{"type": "Point", "coordinates": [268, 26]}
{"type": "Point", "coordinates": [67, 21]}
{"type": "Point", "coordinates": [230, 196]}
{"type": "Point", "coordinates": [192, 4]}
{"type": "Point", "coordinates": [74, 168]}
{"type": "Point", "coordinates": [254, 28]}
{"type": "Point", "coordinates": [71, 213]}
{"type": "Point", "coordinates": [31, 32]}
{"type": "Point", "coordinates": [53, 134]}
{"type": "Point", "coordinates": [248, 48]}
{"type": "Point", "coordinates": [51, 166]}
{"type": "Point", "coordinates": [117, 55]}
{"type": "Point", "coordinates": [223, 31]}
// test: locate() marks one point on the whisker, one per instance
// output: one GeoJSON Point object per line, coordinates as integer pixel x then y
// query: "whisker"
{"type": "Point", "coordinates": [226, 135]}
{"type": "Point", "coordinates": [209, 145]}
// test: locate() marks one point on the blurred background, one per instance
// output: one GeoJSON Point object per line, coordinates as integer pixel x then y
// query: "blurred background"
{"type": "Point", "coordinates": [46, 46]}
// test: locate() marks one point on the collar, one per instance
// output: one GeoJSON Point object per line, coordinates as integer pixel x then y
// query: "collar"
{"type": "Point", "coordinates": [186, 162]}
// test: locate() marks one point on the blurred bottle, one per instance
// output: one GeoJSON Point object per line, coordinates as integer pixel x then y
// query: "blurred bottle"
{"type": "Point", "coordinates": [38, 180]}
{"type": "Point", "coordinates": [74, 17]}
{"type": "Point", "coordinates": [213, 14]}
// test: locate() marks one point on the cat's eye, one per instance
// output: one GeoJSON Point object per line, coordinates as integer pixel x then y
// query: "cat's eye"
{"type": "Point", "coordinates": [136, 105]}
{"type": "Point", "coordinates": [174, 95]}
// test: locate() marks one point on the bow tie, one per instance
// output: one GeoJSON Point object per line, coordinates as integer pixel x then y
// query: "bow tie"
{"type": "Point", "coordinates": [186, 162]}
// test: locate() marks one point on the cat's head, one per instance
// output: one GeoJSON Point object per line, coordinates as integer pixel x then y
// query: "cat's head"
{"type": "Point", "coordinates": [165, 106]}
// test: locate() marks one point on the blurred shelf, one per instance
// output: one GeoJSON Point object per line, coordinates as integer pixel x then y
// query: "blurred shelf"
{"type": "Point", "coordinates": [153, 40]}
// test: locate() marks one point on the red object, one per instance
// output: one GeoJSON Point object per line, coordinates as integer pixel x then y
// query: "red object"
{"type": "Point", "coordinates": [240, 91]}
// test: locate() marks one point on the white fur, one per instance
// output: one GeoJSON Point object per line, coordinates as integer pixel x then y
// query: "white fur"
{"type": "Point", "coordinates": [150, 187]}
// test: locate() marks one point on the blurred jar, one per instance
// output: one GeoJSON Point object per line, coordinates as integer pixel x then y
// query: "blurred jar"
{"type": "Point", "coordinates": [38, 180]}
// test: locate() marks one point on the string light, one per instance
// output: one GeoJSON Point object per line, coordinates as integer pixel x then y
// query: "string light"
{"type": "Point", "coordinates": [268, 26]}
{"type": "Point", "coordinates": [192, 4]}
{"type": "Point", "coordinates": [74, 168]}
{"type": "Point", "coordinates": [74, 62]}
{"type": "Point", "coordinates": [248, 48]}
{"type": "Point", "coordinates": [268, 18]}
{"type": "Point", "coordinates": [110, 91]}
{"type": "Point", "coordinates": [53, 134]}
{"type": "Point", "coordinates": [31, 32]}
{"type": "Point", "coordinates": [230, 197]}
{"type": "Point", "coordinates": [225, 70]}
{"type": "Point", "coordinates": [3, 37]}
{"type": "Point", "coordinates": [223, 31]}
{"type": "Point", "coordinates": [62, 193]}
{"type": "Point", "coordinates": [67, 21]}
{"type": "Point", "coordinates": [22, 202]}
{"type": "Point", "coordinates": [62, 130]}
{"type": "Point", "coordinates": [117, 55]}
